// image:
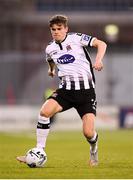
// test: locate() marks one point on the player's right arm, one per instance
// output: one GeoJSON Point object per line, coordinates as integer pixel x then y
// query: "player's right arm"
{"type": "Point", "coordinates": [51, 64]}
{"type": "Point", "coordinates": [51, 70]}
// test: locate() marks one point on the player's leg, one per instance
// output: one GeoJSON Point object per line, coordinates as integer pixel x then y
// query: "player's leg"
{"type": "Point", "coordinates": [48, 109]}
{"type": "Point", "coordinates": [91, 136]}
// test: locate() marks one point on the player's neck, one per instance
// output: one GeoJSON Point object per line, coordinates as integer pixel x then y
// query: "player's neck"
{"type": "Point", "coordinates": [60, 41]}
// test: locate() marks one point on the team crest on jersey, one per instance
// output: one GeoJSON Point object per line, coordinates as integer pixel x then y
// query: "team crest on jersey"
{"type": "Point", "coordinates": [66, 59]}
{"type": "Point", "coordinates": [68, 47]}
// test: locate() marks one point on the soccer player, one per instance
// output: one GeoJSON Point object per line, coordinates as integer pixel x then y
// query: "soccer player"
{"type": "Point", "coordinates": [68, 52]}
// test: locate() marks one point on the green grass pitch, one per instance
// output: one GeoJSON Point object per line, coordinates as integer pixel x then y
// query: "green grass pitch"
{"type": "Point", "coordinates": [68, 155]}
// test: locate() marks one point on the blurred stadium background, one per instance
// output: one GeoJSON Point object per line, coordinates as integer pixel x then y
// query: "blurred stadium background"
{"type": "Point", "coordinates": [24, 34]}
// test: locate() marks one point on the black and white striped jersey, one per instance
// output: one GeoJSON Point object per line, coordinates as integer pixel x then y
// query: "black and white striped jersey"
{"type": "Point", "coordinates": [73, 61]}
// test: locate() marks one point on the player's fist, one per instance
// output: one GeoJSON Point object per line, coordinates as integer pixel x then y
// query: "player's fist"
{"type": "Point", "coordinates": [98, 65]}
{"type": "Point", "coordinates": [51, 73]}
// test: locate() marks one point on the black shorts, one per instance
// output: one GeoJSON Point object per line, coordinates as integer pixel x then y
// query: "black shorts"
{"type": "Point", "coordinates": [84, 101]}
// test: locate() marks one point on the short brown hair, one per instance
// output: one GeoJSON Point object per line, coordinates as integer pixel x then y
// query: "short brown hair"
{"type": "Point", "coordinates": [58, 19]}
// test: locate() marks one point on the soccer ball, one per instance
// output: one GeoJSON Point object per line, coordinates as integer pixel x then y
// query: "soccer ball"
{"type": "Point", "coordinates": [36, 157]}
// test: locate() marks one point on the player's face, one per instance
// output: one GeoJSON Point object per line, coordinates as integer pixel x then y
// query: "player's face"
{"type": "Point", "coordinates": [58, 32]}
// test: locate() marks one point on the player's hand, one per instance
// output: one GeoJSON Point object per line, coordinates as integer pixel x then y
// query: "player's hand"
{"type": "Point", "coordinates": [98, 65]}
{"type": "Point", "coordinates": [51, 73]}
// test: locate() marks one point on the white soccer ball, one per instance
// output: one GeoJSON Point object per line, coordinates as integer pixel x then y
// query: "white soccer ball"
{"type": "Point", "coordinates": [36, 157]}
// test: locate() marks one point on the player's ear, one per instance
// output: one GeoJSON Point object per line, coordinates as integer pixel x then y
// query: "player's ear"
{"type": "Point", "coordinates": [66, 29]}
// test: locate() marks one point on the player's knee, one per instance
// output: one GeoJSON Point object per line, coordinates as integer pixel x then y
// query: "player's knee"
{"type": "Point", "coordinates": [88, 133]}
{"type": "Point", "coordinates": [45, 113]}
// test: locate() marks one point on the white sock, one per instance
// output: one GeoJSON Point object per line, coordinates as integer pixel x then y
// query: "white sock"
{"type": "Point", "coordinates": [42, 131]}
{"type": "Point", "coordinates": [93, 142]}
{"type": "Point", "coordinates": [93, 147]}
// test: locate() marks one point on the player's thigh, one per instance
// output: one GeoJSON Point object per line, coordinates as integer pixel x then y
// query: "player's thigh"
{"type": "Point", "coordinates": [88, 124]}
{"type": "Point", "coordinates": [50, 107]}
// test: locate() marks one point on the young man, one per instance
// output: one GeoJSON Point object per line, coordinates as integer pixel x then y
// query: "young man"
{"type": "Point", "coordinates": [68, 52]}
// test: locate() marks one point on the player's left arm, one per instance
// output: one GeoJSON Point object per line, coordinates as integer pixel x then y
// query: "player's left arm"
{"type": "Point", "coordinates": [101, 49]}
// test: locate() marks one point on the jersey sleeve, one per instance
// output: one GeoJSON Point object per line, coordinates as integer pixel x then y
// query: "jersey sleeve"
{"type": "Point", "coordinates": [84, 39]}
